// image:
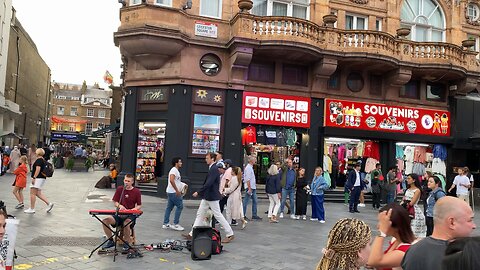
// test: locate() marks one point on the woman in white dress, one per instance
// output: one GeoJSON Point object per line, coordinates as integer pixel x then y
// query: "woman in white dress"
{"type": "Point", "coordinates": [234, 203]}
{"type": "Point", "coordinates": [411, 198]}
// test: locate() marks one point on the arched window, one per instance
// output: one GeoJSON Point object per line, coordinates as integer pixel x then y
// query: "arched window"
{"type": "Point", "coordinates": [425, 19]}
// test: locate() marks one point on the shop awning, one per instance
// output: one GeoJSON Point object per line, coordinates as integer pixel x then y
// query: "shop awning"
{"type": "Point", "coordinates": [56, 119]}
{"type": "Point", "coordinates": [12, 135]}
{"type": "Point", "coordinates": [105, 130]}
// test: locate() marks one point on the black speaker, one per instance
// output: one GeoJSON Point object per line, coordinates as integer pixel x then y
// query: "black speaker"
{"type": "Point", "coordinates": [202, 243]}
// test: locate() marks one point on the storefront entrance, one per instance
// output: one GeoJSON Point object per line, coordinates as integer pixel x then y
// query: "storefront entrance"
{"type": "Point", "coordinates": [150, 151]}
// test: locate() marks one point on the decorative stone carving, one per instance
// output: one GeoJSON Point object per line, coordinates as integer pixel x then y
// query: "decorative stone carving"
{"type": "Point", "coordinates": [245, 5]}
{"type": "Point", "coordinates": [329, 20]}
{"type": "Point", "coordinates": [362, 2]}
{"type": "Point", "coordinates": [403, 32]}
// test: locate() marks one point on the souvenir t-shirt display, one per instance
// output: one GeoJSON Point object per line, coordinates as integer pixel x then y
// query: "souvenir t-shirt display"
{"type": "Point", "coordinates": [271, 136]}
{"type": "Point", "coordinates": [250, 135]}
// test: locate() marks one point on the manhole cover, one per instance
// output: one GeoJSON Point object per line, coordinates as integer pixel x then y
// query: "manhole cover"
{"type": "Point", "coordinates": [64, 241]}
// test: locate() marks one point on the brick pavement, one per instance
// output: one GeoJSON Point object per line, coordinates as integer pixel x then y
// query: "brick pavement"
{"type": "Point", "coordinates": [290, 244]}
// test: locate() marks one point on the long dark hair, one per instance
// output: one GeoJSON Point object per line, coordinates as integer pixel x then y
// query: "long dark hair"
{"type": "Point", "coordinates": [416, 180]}
{"type": "Point", "coordinates": [462, 254]}
{"type": "Point", "coordinates": [400, 221]}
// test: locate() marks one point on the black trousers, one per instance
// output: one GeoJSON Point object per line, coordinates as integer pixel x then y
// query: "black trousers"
{"type": "Point", "coordinates": [429, 222]}
{"type": "Point", "coordinates": [354, 199]}
{"type": "Point", "coordinates": [334, 177]}
{"type": "Point", "coordinates": [376, 200]}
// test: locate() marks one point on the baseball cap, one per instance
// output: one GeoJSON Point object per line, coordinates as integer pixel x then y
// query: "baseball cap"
{"type": "Point", "coordinates": [221, 165]}
{"type": "Point", "coordinates": [228, 161]}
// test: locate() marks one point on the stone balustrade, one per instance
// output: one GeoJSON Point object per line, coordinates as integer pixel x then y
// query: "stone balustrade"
{"type": "Point", "coordinates": [296, 30]}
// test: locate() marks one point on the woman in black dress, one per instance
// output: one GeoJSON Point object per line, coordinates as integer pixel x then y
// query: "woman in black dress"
{"type": "Point", "coordinates": [301, 196]}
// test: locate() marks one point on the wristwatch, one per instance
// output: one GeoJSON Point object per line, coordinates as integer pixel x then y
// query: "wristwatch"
{"type": "Point", "coordinates": [381, 234]}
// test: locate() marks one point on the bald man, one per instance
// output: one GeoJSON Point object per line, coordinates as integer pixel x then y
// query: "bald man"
{"type": "Point", "coordinates": [452, 218]}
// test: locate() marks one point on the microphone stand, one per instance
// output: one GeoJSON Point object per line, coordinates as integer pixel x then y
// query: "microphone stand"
{"type": "Point", "coordinates": [117, 210]}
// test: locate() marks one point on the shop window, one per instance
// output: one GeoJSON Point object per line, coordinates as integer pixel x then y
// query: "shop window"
{"type": "Point", "coordinates": [88, 128]}
{"type": "Point", "coordinates": [150, 145]}
{"type": "Point", "coordinates": [206, 133]}
{"type": "Point", "coordinates": [436, 91]}
{"type": "Point", "coordinates": [101, 113]}
{"type": "Point", "coordinates": [334, 81]}
{"type": "Point", "coordinates": [355, 82]}
{"type": "Point", "coordinates": [59, 126]}
{"type": "Point", "coordinates": [73, 111]}
{"type": "Point", "coordinates": [210, 64]}
{"type": "Point", "coordinates": [261, 72]}
{"type": "Point", "coordinates": [90, 112]}
{"type": "Point", "coordinates": [376, 85]}
{"type": "Point", "coordinates": [167, 3]}
{"type": "Point", "coordinates": [295, 75]}
{"type": "Point", "coordinates": [211, 8]}
{"type": "Point", "coordinates": [71, 127]}
{"type": "Point", "coordinates": [60, 110]}
{"type": "Point", "coordinates": [411, 89]}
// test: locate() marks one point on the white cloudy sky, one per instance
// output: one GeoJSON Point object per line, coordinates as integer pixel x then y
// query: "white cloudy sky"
{"type": "Point", "coordinates": [75, 38]}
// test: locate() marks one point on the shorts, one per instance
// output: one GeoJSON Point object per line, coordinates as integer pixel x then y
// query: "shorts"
{"type": "Point", "coordinates": [39, 182]}
{"type": "Point", "coordinates": [120, 219]}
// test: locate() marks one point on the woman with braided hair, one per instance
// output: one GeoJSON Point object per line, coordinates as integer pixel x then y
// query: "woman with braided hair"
{"type": "Point", "coordinates": [348, 246]}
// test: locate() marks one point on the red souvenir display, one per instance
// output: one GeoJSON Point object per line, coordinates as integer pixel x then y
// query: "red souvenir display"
{"type": "Point", "coordinates": [275, 110]}
{"type": "Point", "coordinates": [382, 117]}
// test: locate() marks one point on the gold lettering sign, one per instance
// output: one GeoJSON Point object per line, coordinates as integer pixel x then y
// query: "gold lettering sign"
{"type": "Point", "coordinates": [153, 95]}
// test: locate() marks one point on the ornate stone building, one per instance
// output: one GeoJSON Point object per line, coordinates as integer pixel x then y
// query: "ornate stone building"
{"type": "Point", "coordinates": [410, 54]}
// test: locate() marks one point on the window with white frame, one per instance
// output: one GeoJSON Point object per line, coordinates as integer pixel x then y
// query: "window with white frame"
{"type": "Point", "coordinates": [295, 8]}
{"type": "Point", "coordinates": [101, 113]}
{"type": "Point", "coordinates": [425, 18]}
{"type": "Point", "coordinates": [356, 22]}
{"type": "Point", "coordinates": [59, 126]}
{"type": "Point", "coordinates": [135, 2]}
{"type": "Point", "coordinates": [100, 125]}
{"type": "Point", "coordinates": [378, 24]}
{"type": "Point", "coordinates": [61, 97]}
{"type": "Point", "coordinates": [90, 112]}
{"type": "Point", "coordinates": [167, 3]}
{"type": "Point", "coordinates": [73, 111]}
{"type": "Point", "coordinates": [71, 127]}
{"type": "Point", "coordinates": [60, 110]}
{"type": "Point", "coordinates": [88, 127]}
{"type": "Point", "coordinates": [473, 12]}
{"type": "Point", "coordinates": [211, 8]}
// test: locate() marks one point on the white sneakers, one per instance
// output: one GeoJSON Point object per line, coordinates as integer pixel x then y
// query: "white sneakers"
{"type": "Point", "coordinates": [304, 217]}
{"type": "Point", "coordinates": [49, 208]}
{"type": "Point", "coordinates": [361, 205]}
{"type": "Point", "coordinates": [281, 215]}
{"type": "Point", "coordinates": [293, 217]}
{"type": "Point", "coordinates": [322, 221]}
{"type": "Point", "coordinates": [314, 219]}
{"type": "Point", "coordinates": [175, 227]}
{"type": "Point", "coordinates": [29, 211]}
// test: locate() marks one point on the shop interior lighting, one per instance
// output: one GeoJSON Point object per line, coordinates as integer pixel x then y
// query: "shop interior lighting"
{"type": "Point", "coordinates": [412, 144]}
{"type": "Point", "coordinates": [154, 125]}
{"type": "Point", "coordinates": [341, 140]}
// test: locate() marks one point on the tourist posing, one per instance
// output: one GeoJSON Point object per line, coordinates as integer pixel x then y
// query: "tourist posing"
{"type": "Point", "coordinates": [318, 186]}
{"type": "Point", "coordinates": [393, 221]}
{"type": "Point", "coordinates": [273, 188]}
{"type": "Point", "coordinates": [410, 200]}
{"type": "Point", "coordinates": [301, 196]}
{"type": "Point", "coordinates": [434, 184]}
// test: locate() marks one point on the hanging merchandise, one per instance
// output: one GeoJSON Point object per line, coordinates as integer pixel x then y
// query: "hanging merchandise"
{"type": "Point", "coordinates": [419, 154]}
{"type": "Point", "coordinates": [341, 152]}
{"type": "Point", "coordinates": [438, 166]}
{"type": "Point", "coordinates": [149, 141]}
{"type": "Point", "coordinates": [372, 149]}
{"type": "Point", "coordinates": [271, 135]}
{"type": "Point", "coordinates": [440, 151]}
{"type": "Point", "coordinates": [327, 163]}
{"type": "Point", "coordinates": [360, 148]}
{"type": "Point", "coordinates": [291, 136]}
{"type": "Point", "coordinates": [399, 151]}
{"type": "Point", "coordinates": [249, 135]}
{"type": "Point", "coordinates": [327, 178]}
{"type": "Point", "coordinates": [260, 135]}
{"type": "Point", "coordinates": [281, 137]}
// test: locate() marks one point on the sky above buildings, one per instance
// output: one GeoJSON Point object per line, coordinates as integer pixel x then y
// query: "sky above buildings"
{"type": "Point", "coordinates": [74, 38]}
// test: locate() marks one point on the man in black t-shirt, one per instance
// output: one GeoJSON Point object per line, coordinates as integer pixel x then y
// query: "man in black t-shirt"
{"type": "Point", "coordinates": [453, 218]}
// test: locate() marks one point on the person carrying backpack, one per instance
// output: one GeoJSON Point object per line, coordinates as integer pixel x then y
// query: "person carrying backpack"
{"type": "Point", "coordinates": [41, 169]}
{"type": "Point", "coordinates": [434, 184]}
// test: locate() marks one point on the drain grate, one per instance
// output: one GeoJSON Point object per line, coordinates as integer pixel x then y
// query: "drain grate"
{"type": "Point", "coordinates": [64, 241]}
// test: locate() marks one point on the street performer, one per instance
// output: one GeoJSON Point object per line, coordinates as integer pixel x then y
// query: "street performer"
{"type": "Point", "coordinates": [131, 200]}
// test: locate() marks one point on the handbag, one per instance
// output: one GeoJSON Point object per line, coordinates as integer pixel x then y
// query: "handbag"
{"type": "Point", "coordinates": [410, 209]}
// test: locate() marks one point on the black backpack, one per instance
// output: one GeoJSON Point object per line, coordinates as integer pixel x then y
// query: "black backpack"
{"type": "Point", "coordinates": [49, 169]}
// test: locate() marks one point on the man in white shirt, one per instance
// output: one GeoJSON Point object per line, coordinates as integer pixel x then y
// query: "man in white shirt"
{"type": "Point", "coordinates": [462, 183]}
{"type": "Point", "coordinates": [174, 193]}
{"type": "Point", "coordinates": [249, 182]}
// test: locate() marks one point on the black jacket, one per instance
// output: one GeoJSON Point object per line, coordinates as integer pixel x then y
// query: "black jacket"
{"type": "Point", "coordinates": [352, 177]}
{"type": "Point", "coordinates": [273, 185]}
{"type": "Point", "coordinates": [210, 190]}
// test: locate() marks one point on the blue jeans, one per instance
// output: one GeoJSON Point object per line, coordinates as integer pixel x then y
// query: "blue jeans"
{"type": "Point", "coordinates": [291, 194]}
{"type": "Point", "coordinates": [390, 196]}
{"type": "Point", "coordinates": [246, 199]}
{"type": "Point", "coordinates": [173, 200]}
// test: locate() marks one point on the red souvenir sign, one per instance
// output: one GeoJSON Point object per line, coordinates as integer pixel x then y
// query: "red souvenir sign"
{"type": "Point", "coordinates": [382, 117]}
{"type": "Point", "coordinates": [275, 110]}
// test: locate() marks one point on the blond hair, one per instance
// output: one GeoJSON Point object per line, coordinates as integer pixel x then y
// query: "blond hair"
{"type": "Point", "coordinates": [345, 240]}
{"type": "Point", "coordinates": [273, 170]}
{"type": "Point", "coordinates": [23, 159]}
{"type": "Point", "coordinates": [40, 152]}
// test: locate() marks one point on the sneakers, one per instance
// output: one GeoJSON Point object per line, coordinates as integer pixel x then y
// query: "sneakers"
{"type": "Point", "coordinates": [314, 219]}
{"type": "Point", "coordinates": [234, 223]}
{"type": "Point", "coordinates": [49, 208]}
{"type": "Point", "coordinates": [108, 244]}
{"type": "Point", "coordinates": [281, 215]}
{"type": "Point", "coordinates": [244, 224]}
{"type": "Point", "coordinates": [29, 211]}
{"type": "Point", "coordinates": [304, 217]}
{"type": "Point", "coordinates": [228, 239]}
{"type": "Point", "coordinates": [125, 247]}
{"type": "Point", "coordinates": [256, 218]}
{"type": "Point", "coordinates": [19, 206]}
{"type": "Point", "coordinates": [293, 217]}
{"type": "Point", "coordinates": [177, 227]}
{"type": "Point", "coordinates": [322, 221]}
{"type": "Point", "coordinates": [361, 205]}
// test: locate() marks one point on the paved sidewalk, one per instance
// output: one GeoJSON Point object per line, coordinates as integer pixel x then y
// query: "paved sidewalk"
{"type": "Point", "coordinates": [290, 244]}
